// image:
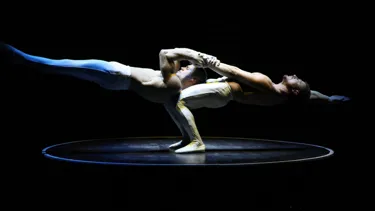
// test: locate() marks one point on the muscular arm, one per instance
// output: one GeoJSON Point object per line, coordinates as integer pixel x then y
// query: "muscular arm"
{"type": "Point", "coordinates": [169, 60]}
{"type": "Point", "coordinates": [256, 80]}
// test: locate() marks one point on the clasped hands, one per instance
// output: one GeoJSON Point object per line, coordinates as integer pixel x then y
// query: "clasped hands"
{"type": "Point", "coordinates": [204, 60]}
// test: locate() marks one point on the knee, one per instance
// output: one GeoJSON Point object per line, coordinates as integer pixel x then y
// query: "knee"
{"type": "Point", "coordinates": [119, 69]}
{"type": "Point", "coordinates": [116, 65]}
{"type": "Point", "coordinates": [114, 62]}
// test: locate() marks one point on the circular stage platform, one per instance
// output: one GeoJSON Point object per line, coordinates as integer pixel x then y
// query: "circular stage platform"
{"type": "Point", "coordinates": [153, 151]}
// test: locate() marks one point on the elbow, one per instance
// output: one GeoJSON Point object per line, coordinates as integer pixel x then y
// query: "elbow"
{"type": "Point", "coordinates": [163, 55]}
{"type": "Point", "coordinates": [163, 52]}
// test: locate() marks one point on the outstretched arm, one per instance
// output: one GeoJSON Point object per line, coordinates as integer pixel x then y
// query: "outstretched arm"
{"type": "Point", "coordinates": [315, 95]}
{"type": "Point", "coordinates": [322, 98]}
{"type": "Point", "coordinates": [256, 80]}
{"type": "Point", "coordinates": [169, 60]}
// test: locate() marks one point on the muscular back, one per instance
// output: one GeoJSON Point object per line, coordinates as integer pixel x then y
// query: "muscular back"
{"type": "Point", "coordinates": [152, 86]}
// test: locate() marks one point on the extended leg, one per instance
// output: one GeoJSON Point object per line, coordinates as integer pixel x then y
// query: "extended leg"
{"type": "Point", "coordinates": [104, 73]}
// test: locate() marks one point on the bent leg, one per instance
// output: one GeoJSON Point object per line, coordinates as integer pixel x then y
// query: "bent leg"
{"type": "Point", "coordinates": [198, 96]}
{"type": "Point", "coordinates": [171, 109]}
{"type": "Point", "coordinates": [98, 71]}
{"type": "Point", "coordinates": [187, 121]}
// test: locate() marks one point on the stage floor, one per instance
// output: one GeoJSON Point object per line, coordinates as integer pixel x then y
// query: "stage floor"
{"type": "Point", "coordinates": [255, 173]}
{"type": "Point", "coordinates": [153, 151]}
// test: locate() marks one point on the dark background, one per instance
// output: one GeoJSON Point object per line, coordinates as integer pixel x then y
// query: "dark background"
{"type": "Point", "coordinates": [41, 110]}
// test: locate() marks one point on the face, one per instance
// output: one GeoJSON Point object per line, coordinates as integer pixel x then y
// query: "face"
{"type": "Point", "coordinates": [185, 72]}
{"type": "Point", "coordinates": [293, 82]}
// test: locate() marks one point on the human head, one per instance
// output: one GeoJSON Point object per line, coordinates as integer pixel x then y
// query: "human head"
{"type": "Point", "coordinates": [191, 75]}
{"type": "Point", "coordinates": [299, 90]}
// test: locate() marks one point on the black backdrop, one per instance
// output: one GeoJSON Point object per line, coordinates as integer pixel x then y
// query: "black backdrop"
{"type": "Point", "coordinates": [41, 110]}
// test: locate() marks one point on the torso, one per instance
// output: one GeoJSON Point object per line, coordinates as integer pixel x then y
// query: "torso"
{"type": "Point", "coordinates": [150, 85]}
{"type": "Point", "coordinates": [247, 95]}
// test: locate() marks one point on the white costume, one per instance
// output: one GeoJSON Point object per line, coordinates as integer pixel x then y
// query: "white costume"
{"type": "Point", "coordinates": [214, 94]}
{"type": "Point", "coordinates": [209, 95]}
{"type": "Point", "coordinates": [109, 75]}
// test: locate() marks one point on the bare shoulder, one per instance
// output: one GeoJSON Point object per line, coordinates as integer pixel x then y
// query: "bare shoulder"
{"type": "Point", "coordinates": [262, 78]}
{"type": "Point", "coordinates": [173, 82]}
{"type": "Point", "coordinates": [260, 75]}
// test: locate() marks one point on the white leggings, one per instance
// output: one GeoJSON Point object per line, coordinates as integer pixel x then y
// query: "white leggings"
{"type": "Point", "coordinates": [109, 75]}
{"type": "Point", "coordinates": [213, 95]}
